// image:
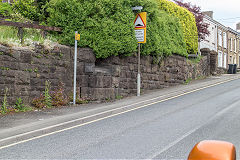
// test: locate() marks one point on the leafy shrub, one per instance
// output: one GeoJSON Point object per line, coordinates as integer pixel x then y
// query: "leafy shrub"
{"type": "Point", "coordinates": [58, 97]}
{"type": "Point", "coordinates": [27, 8]}
{"type": "Point", "coordinates": [39, 102]}
{"type": "Point", "coordinates": [19, 104]}
{"type": "Point", "coordinates": [20, 107]}
{"type": "Point", "coordinates": [32, 9]}
{"type": "Point", "coordinates": [44, 100]}
{"type": "Point", "coordinates": [107, 26]}
{"type": "Point", "coordinates": [5, 9]}
{"type": "Point", "coordinates": [164, 35]}
{"type": "Point", "coordinates": [51, 98]}
{"type": "Point", "coordinates": [187, 21]}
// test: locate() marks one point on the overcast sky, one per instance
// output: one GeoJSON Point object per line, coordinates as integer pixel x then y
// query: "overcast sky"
{"type": "Point", "coordinates": [226, 12]}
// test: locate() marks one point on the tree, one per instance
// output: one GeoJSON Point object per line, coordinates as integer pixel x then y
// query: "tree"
{"type": "Point", "coordinates": [196, 11]}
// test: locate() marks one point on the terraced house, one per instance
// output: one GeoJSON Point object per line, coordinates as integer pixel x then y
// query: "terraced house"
{"type": "Point", "coordinates": [211, 40]}
{"type": "Point", "coordinates": [233, 46]}
{"type": "Point", "coordinates": [222, 48]}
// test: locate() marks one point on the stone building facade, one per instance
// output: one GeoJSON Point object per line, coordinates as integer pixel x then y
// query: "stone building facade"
{"type": "Point", "coordinates": [222, 48]}
{"type": "Point", "coordinates": [233, 47]}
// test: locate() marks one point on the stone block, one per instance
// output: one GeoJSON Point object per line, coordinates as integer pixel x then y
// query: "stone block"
{"type": "Point", "coordinates": [123, 74]}
{"type": "Point", "coordinates": [10, 89]}
{"type": "Point", "coordinates": [53, 69]}
{"type": "Point", "coordinates": [116, 70]}
{"type": "Point", "coordinates": [144, 76]}
{"type": "Point", "coordinates": [43, 69]}
{"type": "Point", "coordinates": [4, 49]}
{"type": "Point", "coordinates": [148, 70]}
{"type": "Point", "coordinates": [131, 67]}
{"type": "Point", "coordinates": [83, 80]}
{"type": "Point", "coordinates": [8, 65]}
{"type": "Point", "coordinates": [7, 73]}
{"type": "Point", "coordinates": [123, 83]}
{"type": "Point", "coordinates": [115, 82]}
{"type": "Point", "coordinates": [133, 75]}
{"type": "Point", "coordinates": [36, 93]}
{"type": "Point", "coordinates": [37, 82]}
{"type": "Point", "coordinates": [26, 56]}
{"type": "Point", "coordinates": [89, 68]}
{"type": "Point", "coordinates": [22, 90]}
{"type": "Point", "coordinates": [155, 68]}
{"type": "Point", "coordinates": [7, 80]}
{"type": "Point", "coordinates": [133, 60]}
{"type": "Point", "coordinates": [103, 82]}
{"type": "Point", "coordinates": [22, 78]}
{"type": "Point", "coordinates": [132, 84]}
{"type": "Point", "coordinates": [85, 55]}
{"type": "Point", "coordinates": [4, 58]}
{"type": "Point", "coordinates": [128, 74]}
{"type": "Point", "coordinates": [167, 77]}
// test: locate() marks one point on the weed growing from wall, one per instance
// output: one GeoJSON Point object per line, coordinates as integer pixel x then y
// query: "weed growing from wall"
{"type": "Point", "coordinates": [4, 107]}
{"type": "Point", "coordinates": [58, 97]}
{"type": "Point", "coordinates": [47, 97]}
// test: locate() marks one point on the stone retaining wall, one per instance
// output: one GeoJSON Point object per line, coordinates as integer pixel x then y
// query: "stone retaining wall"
{"type": "Point", "coordinates": [24, 72]}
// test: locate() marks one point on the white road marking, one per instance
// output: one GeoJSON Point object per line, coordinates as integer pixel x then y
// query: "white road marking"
{"type": "Point", "coordinates": [235, 104]}
{"type": "Point", "coordinates": [44, 135]}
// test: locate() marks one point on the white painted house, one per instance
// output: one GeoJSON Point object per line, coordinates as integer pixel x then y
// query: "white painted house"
{"type": "Point", "coordinates": [210, 40]}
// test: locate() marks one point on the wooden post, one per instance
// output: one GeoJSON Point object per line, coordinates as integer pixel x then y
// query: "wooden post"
{"type": "Point", "coordinates": [20, 34]}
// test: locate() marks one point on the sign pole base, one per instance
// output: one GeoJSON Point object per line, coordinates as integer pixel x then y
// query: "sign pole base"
{"type": "Point", "coordinates": [138, 84]}
{"type": "Point", "coordinates": [139, 74]}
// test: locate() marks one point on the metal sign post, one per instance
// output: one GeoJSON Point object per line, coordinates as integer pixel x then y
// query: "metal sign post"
{"type": "Point", "coordinates": [77, 38]}
{"type": "Point", "coordinates": [139, 72]}
{"type": "Point", "coordinates": [140, 31]}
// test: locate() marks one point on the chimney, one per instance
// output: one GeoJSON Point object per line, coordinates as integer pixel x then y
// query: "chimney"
{"type": "Point", "coordinates": [208, 13]}
{"type": "Point", "coordinates": [238, 27]}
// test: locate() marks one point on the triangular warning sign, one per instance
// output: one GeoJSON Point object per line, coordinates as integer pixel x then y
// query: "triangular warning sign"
{"type": "Point", "coordinates": [139, 22]}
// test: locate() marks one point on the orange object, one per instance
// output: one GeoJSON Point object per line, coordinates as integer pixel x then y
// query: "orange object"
{"type": "Point", "coordinates": [213, 150]}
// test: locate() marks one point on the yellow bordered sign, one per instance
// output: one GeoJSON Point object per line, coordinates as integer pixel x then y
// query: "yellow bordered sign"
{"type": "Point", "coordinates": [77, 37]}
{"type": "Point", "coordinates": [140, 24]}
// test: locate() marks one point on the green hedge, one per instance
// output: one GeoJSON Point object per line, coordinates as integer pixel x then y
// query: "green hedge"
{"type": "Point", "coordinates": [32, 9]}
{"type": "Point", "coordinates": [5, 9]}
{"type": "Point", "coordinates": [107, 27]}
{"type": "Point", "coordinates": [187, 21]}
{"type": "Point", "coordinates": [164, 33]}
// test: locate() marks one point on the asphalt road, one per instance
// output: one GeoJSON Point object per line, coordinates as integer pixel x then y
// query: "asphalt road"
{"type": "Point", "coordinates": [166, 130]}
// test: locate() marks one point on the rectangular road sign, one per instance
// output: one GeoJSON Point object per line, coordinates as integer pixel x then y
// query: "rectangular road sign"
{"type": "Point", "coordinates": [140, 35]}
{"type": "Point", "coordinates": [77, 37]}
{"type": "Point", "coordinates": [140, 24]}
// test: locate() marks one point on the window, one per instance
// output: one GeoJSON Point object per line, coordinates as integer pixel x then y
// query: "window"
{"type": "Point", "coordinates": [225, 60]}
{"type": "Point", "coordinates": [239, 45]}
{"type": "Point", "coordinates": [220, 38]}
{"type": "Point", "coordinates": [231, 47]}
{"type": "Point", "coordinates": [235, 45]}
{"type": "Point", "coordinates": [219, 59]}
{"type": "Point", "coordinates": [224, 40]}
